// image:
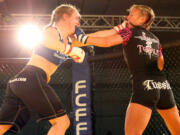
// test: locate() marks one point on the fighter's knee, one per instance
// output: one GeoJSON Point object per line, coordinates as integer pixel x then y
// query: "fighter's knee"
{"type": "Point", "coordinates": [66, 123]}
{"type": "Point", "coordinates": [63, 124]}
{"type": "Point", "coordinates": [61, 121]}
{"type": "Point", "coordinates": [4, 129]}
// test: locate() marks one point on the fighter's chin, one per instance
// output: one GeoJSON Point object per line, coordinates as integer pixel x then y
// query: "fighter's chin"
{"type": "Point", "coordinates": [71, 32]}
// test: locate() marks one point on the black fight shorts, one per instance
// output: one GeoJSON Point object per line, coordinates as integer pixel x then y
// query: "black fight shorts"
{"type": "Point", "coordinates": [29, 92]}
{"type": "Point", "coordinates": [152, 92]}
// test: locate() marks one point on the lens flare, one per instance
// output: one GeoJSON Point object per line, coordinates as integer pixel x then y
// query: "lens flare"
{"type": "Point", "coordinates": [29, 35]}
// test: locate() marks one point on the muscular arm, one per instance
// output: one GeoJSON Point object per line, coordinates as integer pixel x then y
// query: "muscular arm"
{"type": "Point", "coordinates": [161, 62]}
{"type": "Point", "coordinates": [105, 38]}
{"type": "Point", "coordinates": [96, 36]}
{"type": "Point", "coordinates": [114, 38]}
{"type": "Point", "coordinates": [51, 40]}
{"type": "Point", "coordinates": [107, 41]}
{"type": "Point", "coordinates": [100, 41]}
{"type": "Point", "coordinates": [103, 33]}
{"type": "Point", "coordinates": [160, 59]}
{"type": "Point", "coordinates": [76, 43]}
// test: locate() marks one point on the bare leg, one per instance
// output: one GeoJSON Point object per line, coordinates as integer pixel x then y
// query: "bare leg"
{"type": "Point", "coordinates": [4, 128]}
{"type": "Point", "coordinates": [172, 119]}
{"type": "Point", "coordinates": [137, 118]}
{"type": "Point", "coordinates": [59, 125]}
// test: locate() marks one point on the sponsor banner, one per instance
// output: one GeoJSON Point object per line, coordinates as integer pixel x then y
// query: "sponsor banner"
{"type": "Point", "coordinates": [81, 98]}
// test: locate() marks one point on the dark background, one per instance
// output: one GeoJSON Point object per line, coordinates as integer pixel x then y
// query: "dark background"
{"type": "Point", "coordinates": [9, 46]}
{"type": "Point", "coordinates": [110, 79]}
{"type": "Point", "coordinates": [108, 7]}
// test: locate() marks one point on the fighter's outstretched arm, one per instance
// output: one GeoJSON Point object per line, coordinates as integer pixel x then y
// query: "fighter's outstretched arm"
{"type": "Point", "coordinates": [107, 41]}
{"type": "Point", "coordinates": [117, 38]}
{"type": "Point", "coordinates": [100, 38]}
{"type": "Point", "coordinates": [51, 41]}
{"type": "Point", "coordinates": [103, 38]}
{"type": "Point", "coordinates": [103, 33]}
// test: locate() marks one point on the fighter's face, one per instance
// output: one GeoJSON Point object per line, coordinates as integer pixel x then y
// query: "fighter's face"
{"type": "Point", "coordinates": [73, 20]}
{"type": "Point", "coordinates": [136, 18]}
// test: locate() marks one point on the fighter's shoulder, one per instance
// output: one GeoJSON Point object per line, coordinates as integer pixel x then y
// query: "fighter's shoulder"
{"type": "Point", "coordinates": [50, 37]}
{"type": "Point", "coordinates": [154, 36]}
{"type": "Point", "coordinates": [51, 31]}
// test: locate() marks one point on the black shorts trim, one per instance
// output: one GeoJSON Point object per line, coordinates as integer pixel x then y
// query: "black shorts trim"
{"type": "Point", "coordinates": [141, 103]}
{"type": "Point", "coordinates": [52, 116]}
{"type": "Point", "coordinates": [29, 92]}
{"type": "Point", "coordinates": [14, 125]}
{"type": "Point", "coordinates": [166, 108]}
{"type": "Point", "coordinates": [152, 92]}
{"type": "Point", "coordinates": [45, 94]}
{"type": "Point", "coordinates": [55, 113]}
{"type": "Point", "coordinates": [151, 107]}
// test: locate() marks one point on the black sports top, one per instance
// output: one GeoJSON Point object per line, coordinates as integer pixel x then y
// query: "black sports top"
{"type": "Point", "coordinates": [141, 50]}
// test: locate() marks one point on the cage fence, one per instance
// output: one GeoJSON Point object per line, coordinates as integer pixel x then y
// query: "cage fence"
{"type": "Point", "coordinates": [111, 90]}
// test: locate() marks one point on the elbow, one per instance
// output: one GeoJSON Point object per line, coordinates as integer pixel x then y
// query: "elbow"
{"type": "Point", "coordinates": [161, 68]}
{"type": "Point", "coordinates": [160, 63]}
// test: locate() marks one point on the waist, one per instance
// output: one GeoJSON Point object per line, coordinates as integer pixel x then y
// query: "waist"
{"type": "Point", "coordinates": [147, 74]}
{"type": "Point", "coordinates": [144, 69]}
{"type": "Point", "coordinates": [52, 56]}
{"type": "Point", "coordinates": [40, 62]}
{"type": "Point", "coordinates": [32, 70]}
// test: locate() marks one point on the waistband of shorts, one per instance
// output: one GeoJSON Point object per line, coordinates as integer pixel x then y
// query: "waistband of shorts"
{"type": "Point", "coordinates": [36, 70]}
{"type": "Point", "coordinates": [152, 74]}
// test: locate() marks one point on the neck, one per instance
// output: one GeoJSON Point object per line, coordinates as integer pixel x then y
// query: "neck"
{"type": "Point", "coordinates": [63, 31]}
{"type": "Point", "coordinates": [130, 25]}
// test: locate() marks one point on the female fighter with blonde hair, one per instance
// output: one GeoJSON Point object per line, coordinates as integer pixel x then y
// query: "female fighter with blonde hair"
{"type": "Point", "coordinates": [143, 55]}
{"type": "Point", "coordinates": [29, 90]}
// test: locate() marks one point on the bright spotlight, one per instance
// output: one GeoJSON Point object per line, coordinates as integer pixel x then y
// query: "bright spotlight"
{"type": "Point", "coordinates": [29, 35]}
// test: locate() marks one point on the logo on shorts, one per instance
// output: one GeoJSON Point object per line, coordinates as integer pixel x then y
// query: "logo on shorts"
{"type": "Point", "coordinates": [151, 84]}
{"type": "Point", "coordinates": [18, 80]}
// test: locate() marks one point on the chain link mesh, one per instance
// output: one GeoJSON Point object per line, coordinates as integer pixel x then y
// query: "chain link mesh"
{"type": "Point", "coordinates": [111, 90]}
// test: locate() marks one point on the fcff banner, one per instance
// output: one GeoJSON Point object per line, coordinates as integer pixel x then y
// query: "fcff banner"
{"type": "Point", "coordinates": [81, 98]}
